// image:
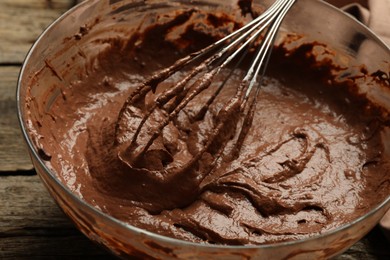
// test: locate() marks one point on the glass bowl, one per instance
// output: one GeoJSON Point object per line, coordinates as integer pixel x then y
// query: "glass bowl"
{"type": "Point", "coordinates": [77, 30]}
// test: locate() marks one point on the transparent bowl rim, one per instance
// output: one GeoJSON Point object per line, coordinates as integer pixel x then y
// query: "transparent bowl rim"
{"type": "Point", "coordinates": [150, 234]}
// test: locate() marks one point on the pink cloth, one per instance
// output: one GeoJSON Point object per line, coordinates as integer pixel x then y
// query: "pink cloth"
{"type": "Point", "coordinates": [377, 16]}
{"type": "Point", "coordinates": [379, 20]}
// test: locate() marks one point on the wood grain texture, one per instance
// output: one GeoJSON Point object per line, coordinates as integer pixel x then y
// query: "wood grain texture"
{"type": "Point", "coordinates": [32, 226]}
{"type": "Point", "coordinates": [13, 151]}
{"type": "Point", "coordinates": [22, 21]}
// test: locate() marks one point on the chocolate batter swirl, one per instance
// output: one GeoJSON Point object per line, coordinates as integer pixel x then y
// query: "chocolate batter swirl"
{"type": "Point", "coordinates": [312, 160]}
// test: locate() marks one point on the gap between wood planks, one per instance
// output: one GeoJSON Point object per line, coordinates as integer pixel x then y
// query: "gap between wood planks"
{"type": "Point", "coordinates": [13, 150]}
{"type": "Point", "coordinates": [22, 21]}
{"type": "Point", "coordinates": [32, 226]}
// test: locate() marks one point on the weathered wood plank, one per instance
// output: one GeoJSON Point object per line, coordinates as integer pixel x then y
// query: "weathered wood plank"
{"type": "Point", "coordinates": [22, 21]}
{"type": "Point", "coordinates": [13, 151]}
{"type": "Point", "coordinates": [32, 225]}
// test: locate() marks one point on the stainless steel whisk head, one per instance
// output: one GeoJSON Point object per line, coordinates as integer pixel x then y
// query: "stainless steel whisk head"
{"type": "Point", "coordinates": [138, 130]}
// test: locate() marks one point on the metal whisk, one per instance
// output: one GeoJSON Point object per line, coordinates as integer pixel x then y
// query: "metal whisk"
{"type": "Point", "coordinates": [147, 126]}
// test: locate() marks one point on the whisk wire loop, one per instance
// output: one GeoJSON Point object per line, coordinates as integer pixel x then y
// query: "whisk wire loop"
{"type": "Point", "coordinates": [258, 34]}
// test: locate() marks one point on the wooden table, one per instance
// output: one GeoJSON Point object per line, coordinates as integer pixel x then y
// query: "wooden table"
{"type": "Point", "coordinates": [31, 224]}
